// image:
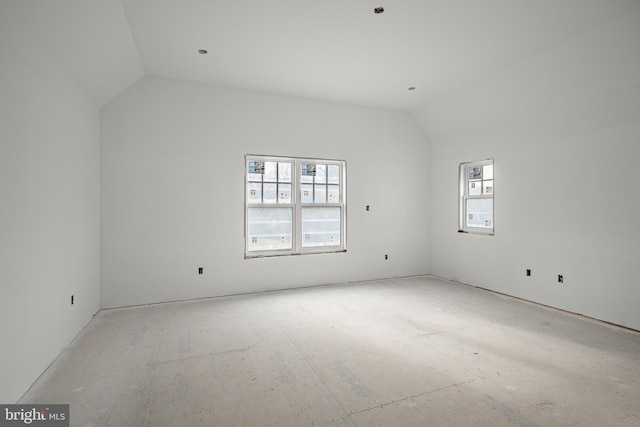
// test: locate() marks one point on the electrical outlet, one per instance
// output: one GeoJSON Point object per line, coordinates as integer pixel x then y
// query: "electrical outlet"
{"type": "Point", "coordinates": [528, 272]}
{"type": "Point", "coordinates": [386, 256]}
{"type": "Point", "coordinates": [560, 278]}
{"type": "Point", "coordinates": [367, 208]}
{"type": "Point", "coordinates": [200, 270]}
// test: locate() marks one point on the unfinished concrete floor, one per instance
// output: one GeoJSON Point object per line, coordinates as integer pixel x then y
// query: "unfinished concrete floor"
{"type": "Point", "coordinates": [404, 352]}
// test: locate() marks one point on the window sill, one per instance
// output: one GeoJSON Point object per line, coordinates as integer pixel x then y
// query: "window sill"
{"type": "Point", "coordinates": [483, 233]}
{"type": "Point", "coordinates": [273, 254]}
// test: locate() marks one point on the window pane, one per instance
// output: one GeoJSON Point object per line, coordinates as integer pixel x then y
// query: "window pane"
{"type": "Point", "coordinates": [254, 192]}
{"type": "Point", "coordinates": [270, 171]}
{"type": "Point", "coordinates": [474, 173]}
{"type": "Point", "coordinates": [270, 193]}
{"type": "Point", "coordinates": [320, 195]}
{"type": "Point", "coordinates": [333, 194]}
{"type": "Point", "coordinates": [284, 193]}
{"type": "Point", "coordinates": [320, 226]}
{"type": "Point", "coordinates": [254, 166]}
{"type": "Point", "coordinates": [333, 174]}
{"type": "Point", "coordinates": [479, 213]}
{"type": "Point", "coordinates": [284, 172]}
{"type": "Point", "coordinates": [307, 172]}
{"type": "Point", "coordinates": [487, 172]}
{"type": "Point", "coordinates": [321, 174]}
{"type": "Point", "coordinates": [269, 228]}
{"type": "Point", "coordinates": [306, 193]}
{"type": "Point", "coordinates": [487, 187]}
{"type": "Point", "coordinates": [475, 188]}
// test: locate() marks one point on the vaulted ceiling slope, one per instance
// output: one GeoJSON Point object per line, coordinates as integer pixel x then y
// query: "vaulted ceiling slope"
{"type": "Point", "coordinates": [332, 49]}
{"type": "Point", "coordinates": [91, 40]}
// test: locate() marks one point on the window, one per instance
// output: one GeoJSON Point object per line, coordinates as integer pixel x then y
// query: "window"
{"type": "Point", "coordinates": [294, 206]}
{"type": "Point", "coordinates": [476, 197]}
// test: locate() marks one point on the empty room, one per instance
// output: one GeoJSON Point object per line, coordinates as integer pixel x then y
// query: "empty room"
{"type": "Point", "coordinates": [294, 213]}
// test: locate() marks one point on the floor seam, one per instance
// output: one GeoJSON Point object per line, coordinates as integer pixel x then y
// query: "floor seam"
{"type": "Point", "coordinates": [146, 406]}
{"type": "Point", "coordinates": [416, 395]}
{"type": "Point", "coordinates": [217, 353]}
{"type": "Point", "coordinates": [346, 414]}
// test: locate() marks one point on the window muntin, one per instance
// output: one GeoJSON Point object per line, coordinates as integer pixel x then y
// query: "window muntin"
{"type": "Point", "coordinates": [294, 206]}
{"type": "Point", "coordinates": [476, 197]}
{"type": "Point", "coordinates": [268, 182]}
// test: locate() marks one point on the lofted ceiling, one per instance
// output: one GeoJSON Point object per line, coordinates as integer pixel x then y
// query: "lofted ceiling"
{"type": "Point", "coordinates": [337, 50]}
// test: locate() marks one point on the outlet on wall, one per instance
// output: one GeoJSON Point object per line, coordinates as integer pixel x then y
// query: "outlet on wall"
{"type": "Point", "coordinates": [560, 278]}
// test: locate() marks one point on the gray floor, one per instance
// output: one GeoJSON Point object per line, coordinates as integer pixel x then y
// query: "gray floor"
{"type": "Point", "coordinates": [405, 352]}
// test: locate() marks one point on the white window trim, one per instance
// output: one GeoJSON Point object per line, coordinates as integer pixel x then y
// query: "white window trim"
{"type": "Point", "coordinates": [297, 205]}
{"type": "Point", "coordinates": [464, 196]}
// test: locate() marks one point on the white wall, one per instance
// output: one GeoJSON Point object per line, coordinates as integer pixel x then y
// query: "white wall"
{"type": "Point", "coordinates": [49, 208]}
{"type": "Point", "coordinates": [172, 171]}
{"type": "Point", "coordinates": [564, 130]}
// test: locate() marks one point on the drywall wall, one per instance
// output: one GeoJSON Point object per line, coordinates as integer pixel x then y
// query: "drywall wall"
{"type": "Point", "coordinates": [49, 208]}
{"type": "Point", "coordinates": [172, 190]}
{"type": "Point", "coordinates": [564, 130]}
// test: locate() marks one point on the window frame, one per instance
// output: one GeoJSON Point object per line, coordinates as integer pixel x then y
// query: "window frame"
{"type": "Point", "coordinates": [297, 206]}
{"type": "Point", "coordinates": [464, 196]}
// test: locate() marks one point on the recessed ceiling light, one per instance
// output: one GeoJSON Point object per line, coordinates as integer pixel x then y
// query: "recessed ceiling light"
{"type": "Point", "coordinates": [202, 52]}
{"type": "Point", "coordinates": [412, 88]}
{"type": "Point", "coordinates": [378, 10]}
